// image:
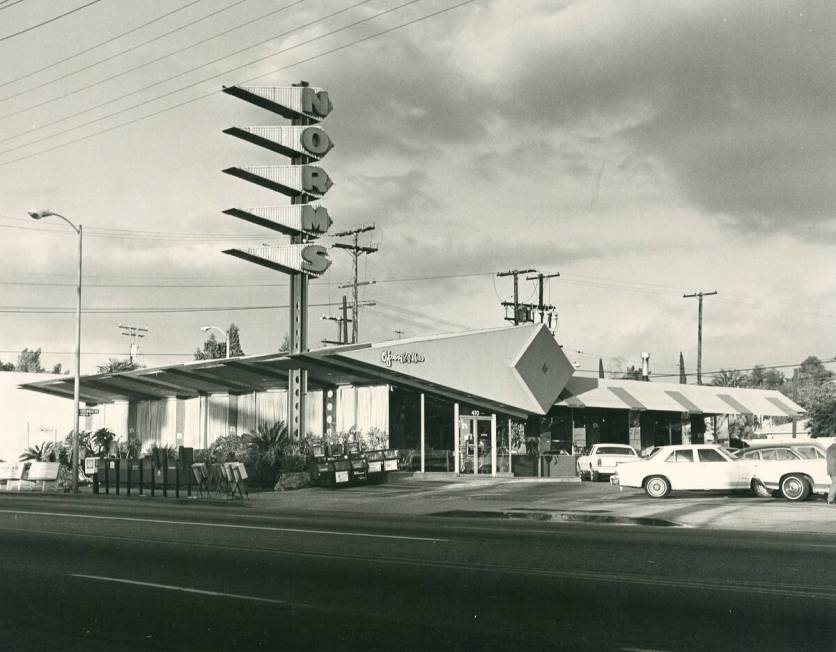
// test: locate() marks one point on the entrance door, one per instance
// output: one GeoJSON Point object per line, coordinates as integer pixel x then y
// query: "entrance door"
{"type": "Point", "coordinates": [475, 445]}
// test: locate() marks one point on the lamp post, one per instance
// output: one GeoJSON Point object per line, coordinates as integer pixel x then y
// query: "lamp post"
{"type": "Point", "coordinates": [225, 334]}
{"type": "Point", "coordinates": [38, 215]}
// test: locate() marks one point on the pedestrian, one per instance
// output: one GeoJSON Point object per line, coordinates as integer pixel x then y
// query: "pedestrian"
{"type": "Point", "coordinates": [831, 471]}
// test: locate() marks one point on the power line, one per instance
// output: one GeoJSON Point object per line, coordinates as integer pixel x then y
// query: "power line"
{"type": "Point", "coordinates": [145, 64]}
{"type": "Point", "coordinates": [85, 51]}
{"type": "Point", "coordinates": [46, 22]}
{"type": "Point", "coordinates": [5, 351]}
{"type": "Point", "coordinates": [422, 315]}
{"type": "Point", "coordinates": [272, 72]}
{"type": "Point", "coordinates": [8, 6]}
{"type": "Point", "coordinates": [27, 310]}
{"type": "Point", "coordinates": [168, 79]}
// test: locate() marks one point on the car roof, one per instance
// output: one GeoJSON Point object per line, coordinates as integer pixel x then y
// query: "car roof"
{"type": "Point", "coordinates": [785, 444]}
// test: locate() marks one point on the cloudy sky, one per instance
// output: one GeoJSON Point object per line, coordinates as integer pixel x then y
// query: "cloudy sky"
{"type": "Point", "coordinates": [643, 150]}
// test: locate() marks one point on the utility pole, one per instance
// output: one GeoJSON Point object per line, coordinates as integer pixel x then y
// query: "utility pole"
{"type": "Point", "coordinates": [516, 304]}
{"type": "Point", "coordinates": [342, 323]}
{"type": "Point", "coordinates": [135, 333]}
{"type": "Point", "coordinates": [540, 277]}
{"type": "Point", "coordinates": [398, 334]}
{"type": "Point", "coordinates": [699, 295]}
{"type": "Point", "coordinates": [356, 250]}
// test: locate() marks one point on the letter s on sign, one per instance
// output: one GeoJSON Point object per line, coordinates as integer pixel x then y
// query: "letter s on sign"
{"type": "Point", "coordinates": [315, 259]}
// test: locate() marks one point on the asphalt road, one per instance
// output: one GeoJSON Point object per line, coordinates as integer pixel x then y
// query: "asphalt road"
{"type": "Point", "coordinates": [133, 574]}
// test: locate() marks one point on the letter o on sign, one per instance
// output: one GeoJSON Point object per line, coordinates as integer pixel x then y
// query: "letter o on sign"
{"type": "Point", "coordinates": [316, 141]}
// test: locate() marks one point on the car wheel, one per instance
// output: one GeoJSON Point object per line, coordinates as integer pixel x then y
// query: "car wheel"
{"type": "Point", "coordinates": [795, 487]}
{"type": "Point", "coordinates": [657, 486]}
{"type": "Point", "coordinates": [593, 476]}
{"type": "Point", "coordinates": [759, 490]}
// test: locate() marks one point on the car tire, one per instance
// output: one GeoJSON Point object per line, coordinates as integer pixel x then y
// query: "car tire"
{"type": "Point", "coordinates": [593, 476]}
{"type": "Point", "coordinates": [760, 491]}
{"type": "Point", "coordinates": [795, 487]}
{"type": "Point", "coordinates": [657, 486]}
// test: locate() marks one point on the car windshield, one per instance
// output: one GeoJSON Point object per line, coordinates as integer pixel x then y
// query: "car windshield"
{"type": "Point", "coordinates": [654, 453]}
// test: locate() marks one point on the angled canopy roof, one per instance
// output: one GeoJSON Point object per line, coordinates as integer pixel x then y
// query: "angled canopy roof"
{"type": "Point", "coordinates": [518, 370]}
{"type": "Point", "coordinates": [671, 397]}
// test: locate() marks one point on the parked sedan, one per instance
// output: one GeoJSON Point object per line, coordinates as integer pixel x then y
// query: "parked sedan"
{"type": "Point", "coordinates": [684, 468]}
{"type": "Point", "coordinates": [793, 469]}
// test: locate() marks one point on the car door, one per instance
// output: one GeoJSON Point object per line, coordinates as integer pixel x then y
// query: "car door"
{"type": "Point", "coordinates": [718, 471]}
{"type": "Point", "coordinates": [679, 467]}
{"type": "Point", "coordinates": [814, 464]}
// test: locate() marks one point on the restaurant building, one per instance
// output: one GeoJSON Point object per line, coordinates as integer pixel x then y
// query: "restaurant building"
{"type": "Point", "coordinates": [470, 403]}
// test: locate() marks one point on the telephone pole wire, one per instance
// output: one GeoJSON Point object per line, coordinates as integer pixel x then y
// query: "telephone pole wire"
{"type": "Point", "coordinates": [356, 250]}
{"type": "Point", "coordinates": [516, 304]}
{"type": "Point", "coordinates": [541, 307]}
{"type": "Point", "coordinates": [699, 295]}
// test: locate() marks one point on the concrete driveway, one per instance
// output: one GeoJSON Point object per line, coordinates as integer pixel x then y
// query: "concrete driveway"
{"type": "Point", "coordinates": [561, 501]}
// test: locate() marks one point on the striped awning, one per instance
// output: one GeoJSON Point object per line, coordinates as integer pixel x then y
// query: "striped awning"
{"type": "Point", "coordinates": [669, 397]}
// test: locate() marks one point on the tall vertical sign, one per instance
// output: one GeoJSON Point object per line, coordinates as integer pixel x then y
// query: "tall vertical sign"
{"type": "Point", "coordinates": [304, 220]}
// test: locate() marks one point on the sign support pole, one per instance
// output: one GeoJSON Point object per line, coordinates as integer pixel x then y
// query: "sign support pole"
{"type": "Point", "coordinates": [297, 379]}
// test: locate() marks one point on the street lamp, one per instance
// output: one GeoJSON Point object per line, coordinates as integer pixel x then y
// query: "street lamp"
{"type": "Point", "coordinates": [223, 332]}
{"type": "Point", "coordinates": [38, 215]}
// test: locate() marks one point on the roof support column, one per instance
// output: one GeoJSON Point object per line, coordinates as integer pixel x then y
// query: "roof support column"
{"type": "Point", "coordinates": [456, 438]}
{"type": "Point", "coordinates": [493, 444]}
{"type": "Point", "coordinates": [510, 454]}
{"type": "Point", "coordinates": [423, 434]}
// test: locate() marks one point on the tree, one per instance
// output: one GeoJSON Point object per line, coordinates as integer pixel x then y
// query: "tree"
{"type": "Point", "coordinates": [729, 378]}
{"type": "Point", "coordinates": [821, 410]}
{"type": "Point", "coordinates": [213, 349]}
{"type": "Point", "coordinates": [632, 373]}
{"type": "Point", "coordinates": [43, 452]}
{"type": "Point", "coordinates": [102, 440]}
{"type": "Point", "coordinates": [235, 350]}
{"type": "Point", "coordinates": [30, 361]}
{"type": "Point", "coordinates": [812, 370]}
{"type": "Point", "coordinates": [56, 368]}
{"type": "Point", "coordinates": [7, 366]}
{"type": "Point", "coordinates": [115, 365]}
{"type": "Point", "coordinates": [285, 345]}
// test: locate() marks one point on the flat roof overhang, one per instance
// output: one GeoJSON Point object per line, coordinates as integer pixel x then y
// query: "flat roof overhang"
{"type": "Point", "coordinates": [244, 375]}
{"type": "Point", "coordinates": [337, 366]}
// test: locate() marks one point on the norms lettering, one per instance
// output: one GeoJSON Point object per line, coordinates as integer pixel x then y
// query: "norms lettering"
{"type": "Point", "coordinates": [388, 357]}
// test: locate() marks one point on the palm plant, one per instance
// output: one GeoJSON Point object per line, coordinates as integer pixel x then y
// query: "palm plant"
{"type": "Point", "coordinates": [102, 439]}
{"type": "Point", "coordinates": [43, 452]}
{"type": "Point", "coordinates": [269, 446]}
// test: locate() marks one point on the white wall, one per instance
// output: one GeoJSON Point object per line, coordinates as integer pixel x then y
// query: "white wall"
{"type": "Point", "coordinates": [27, 417]}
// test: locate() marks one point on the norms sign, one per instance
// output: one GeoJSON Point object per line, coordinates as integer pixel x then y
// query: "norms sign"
{"type": "Point", "coordinates": [407, 357]}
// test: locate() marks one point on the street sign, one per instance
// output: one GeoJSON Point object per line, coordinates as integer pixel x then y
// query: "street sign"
{"type": "Point", "coordinates": [87, 412]}
{"type": "Point", "coordinates": [309, 259]}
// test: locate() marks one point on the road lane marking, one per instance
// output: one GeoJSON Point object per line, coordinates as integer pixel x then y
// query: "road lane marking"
{"type": "Point", "coordinates": [264, 528]}
{"type": "Point", "coordinates": [186, 589]}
